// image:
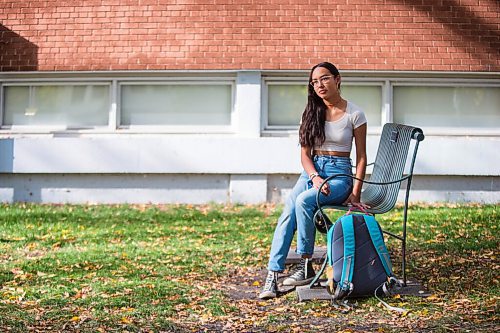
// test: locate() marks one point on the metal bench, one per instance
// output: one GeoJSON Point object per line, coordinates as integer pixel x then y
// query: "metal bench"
{"type": "Point", "coordinates": [380, 192]}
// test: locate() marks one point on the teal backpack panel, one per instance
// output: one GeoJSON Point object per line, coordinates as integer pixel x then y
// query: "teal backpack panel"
{"type": "Point", "coordinates": [358, 255]}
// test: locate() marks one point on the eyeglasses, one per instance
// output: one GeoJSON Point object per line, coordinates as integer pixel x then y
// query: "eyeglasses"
{"type": "Point", "coordinates": [323, 80]}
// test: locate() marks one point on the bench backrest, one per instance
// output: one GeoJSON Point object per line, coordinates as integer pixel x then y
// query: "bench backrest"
{"type": "Point", "coordinates": [390, 162]}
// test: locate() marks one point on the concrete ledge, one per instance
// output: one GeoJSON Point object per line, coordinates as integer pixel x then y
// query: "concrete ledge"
{"type": "Point", "coordinates": [412, 288]}
{"type": "Point", "coordinates": [318, 256]}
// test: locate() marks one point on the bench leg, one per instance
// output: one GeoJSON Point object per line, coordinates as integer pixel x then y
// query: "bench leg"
{"type": "Point", "coordinates": [403, 241]}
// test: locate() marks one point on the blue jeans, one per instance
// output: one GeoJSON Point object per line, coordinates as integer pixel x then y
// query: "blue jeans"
{"type": "Point", "coordinates": [301, 206]}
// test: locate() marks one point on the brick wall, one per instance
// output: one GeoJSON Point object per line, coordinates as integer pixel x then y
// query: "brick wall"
{"type": "Point", "coordinates": [437, 35]}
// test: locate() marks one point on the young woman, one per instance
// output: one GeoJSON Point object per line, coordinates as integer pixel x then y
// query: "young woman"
{"type": "Point", "coordinates": [329, 124]}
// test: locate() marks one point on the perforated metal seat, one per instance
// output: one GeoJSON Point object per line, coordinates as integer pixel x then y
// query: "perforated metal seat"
{"type": "Point", "coordinates": [380, 193]}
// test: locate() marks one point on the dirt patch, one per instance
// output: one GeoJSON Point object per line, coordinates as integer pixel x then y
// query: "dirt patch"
{"type": "Point", "coordinates": [247, 283]}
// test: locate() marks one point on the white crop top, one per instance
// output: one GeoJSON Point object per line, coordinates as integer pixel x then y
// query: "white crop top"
{"type": "Point", "coordinates": [339, 133]}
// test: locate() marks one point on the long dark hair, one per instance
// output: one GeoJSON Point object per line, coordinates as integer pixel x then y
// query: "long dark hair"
{"type": "Point", "coordinates": [312, 128]}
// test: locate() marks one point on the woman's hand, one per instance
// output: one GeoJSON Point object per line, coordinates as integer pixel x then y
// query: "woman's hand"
{"type": "Point", "coordinates": [317, 181]}
{"type": "Point", "coordinates": [353, 200]}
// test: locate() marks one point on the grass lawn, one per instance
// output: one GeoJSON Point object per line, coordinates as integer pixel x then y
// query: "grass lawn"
{"type": "Point", "coordinates": [183, 268]}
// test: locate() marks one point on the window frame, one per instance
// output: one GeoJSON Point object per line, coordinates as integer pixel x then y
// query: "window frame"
{"type": "Point", "coordinates": [114, 80]}
{"type": "Point", "coordinates": [52, 128]}
{"type": "Point", "coordinates": [280, 130]}
{"type": "Point", "coordinates": [384, 110]}
{"type": "Point", "coordinates": [387, 79]}
{"type": "Point", "coordinates": [266, 82]}
{"type": "Point", "coordinates": [451, 83]}
{"type": "Point", "coordinates": [178, 81]}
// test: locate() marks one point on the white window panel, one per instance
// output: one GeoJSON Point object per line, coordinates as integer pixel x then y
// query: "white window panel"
{"type": "Point", "coordinates": [193, 104]}
{"type": "Point", "coordinates": [67, 105]}
{"type": "Point", "coordinates": [286, 102]}
{"type": "Point", "coordinates": [368, 98]}
{"type": "Point", "coordinates": [447, 106]}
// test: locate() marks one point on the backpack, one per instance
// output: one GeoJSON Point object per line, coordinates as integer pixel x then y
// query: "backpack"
{"type": "Point", "coordinates": [358, 256]}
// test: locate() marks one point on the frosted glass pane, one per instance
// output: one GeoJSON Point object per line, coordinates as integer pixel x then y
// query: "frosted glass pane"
{"type": "Point", "coordinates": [70, 106]}
{"type": "Point", "coordinates": [176, 104]}
{"type": "Point", "coordinates": [447, 106]}
{"type": "Point", "coordinates": [368, 98]}
{"type": "Point", "coordinates": [287, 102]}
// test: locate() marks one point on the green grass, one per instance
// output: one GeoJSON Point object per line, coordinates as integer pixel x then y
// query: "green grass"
{"type": "Point", "coordinates": [164, 268]}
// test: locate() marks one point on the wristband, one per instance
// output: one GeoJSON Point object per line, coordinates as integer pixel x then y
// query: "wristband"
{"type": "Point", "coordinates": [312, 175]}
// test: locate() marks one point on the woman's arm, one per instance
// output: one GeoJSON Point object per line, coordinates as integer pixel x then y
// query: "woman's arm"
{"type": "Point", "coordinates": [308, 165]}
{"type": "Point", "coordinates": [306, 160]}
{"type": "Point", "coordinates": [360, 141]}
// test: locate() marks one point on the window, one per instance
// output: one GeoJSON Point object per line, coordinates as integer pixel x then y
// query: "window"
{"type": "Point", "coordinates": [234, 102]}
{"type": "Point", "coordinates": [445, 106]}
{"type": "Point", "coordinates": [286, 102]}
{"type": "Point", "coordinates": [69, 105]}
{"type": "Point", "coordinates": [176, 104]}
{"type": "Point", "coordinates": [368, 98]}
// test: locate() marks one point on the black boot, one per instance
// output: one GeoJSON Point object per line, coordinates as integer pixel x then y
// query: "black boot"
{"type": "Point", "coordinates": [302, 274]}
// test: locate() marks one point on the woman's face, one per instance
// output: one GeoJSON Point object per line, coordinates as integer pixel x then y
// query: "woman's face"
{"type": "Point", "coordinates": [324, 83]}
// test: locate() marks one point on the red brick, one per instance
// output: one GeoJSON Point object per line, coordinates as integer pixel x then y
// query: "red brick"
{"type": "Point", "coordinates": [369, 34]}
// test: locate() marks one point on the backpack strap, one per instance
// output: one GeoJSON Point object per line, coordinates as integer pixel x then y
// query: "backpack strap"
{"type": "Point", "coordinates": [345, 282]}
{"type": "Point", "coordinates": [386, 286]}
{"type": "Point", "coordinates": [329, 248]}
{"type": "Point", "coordinates": [378, 243]}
